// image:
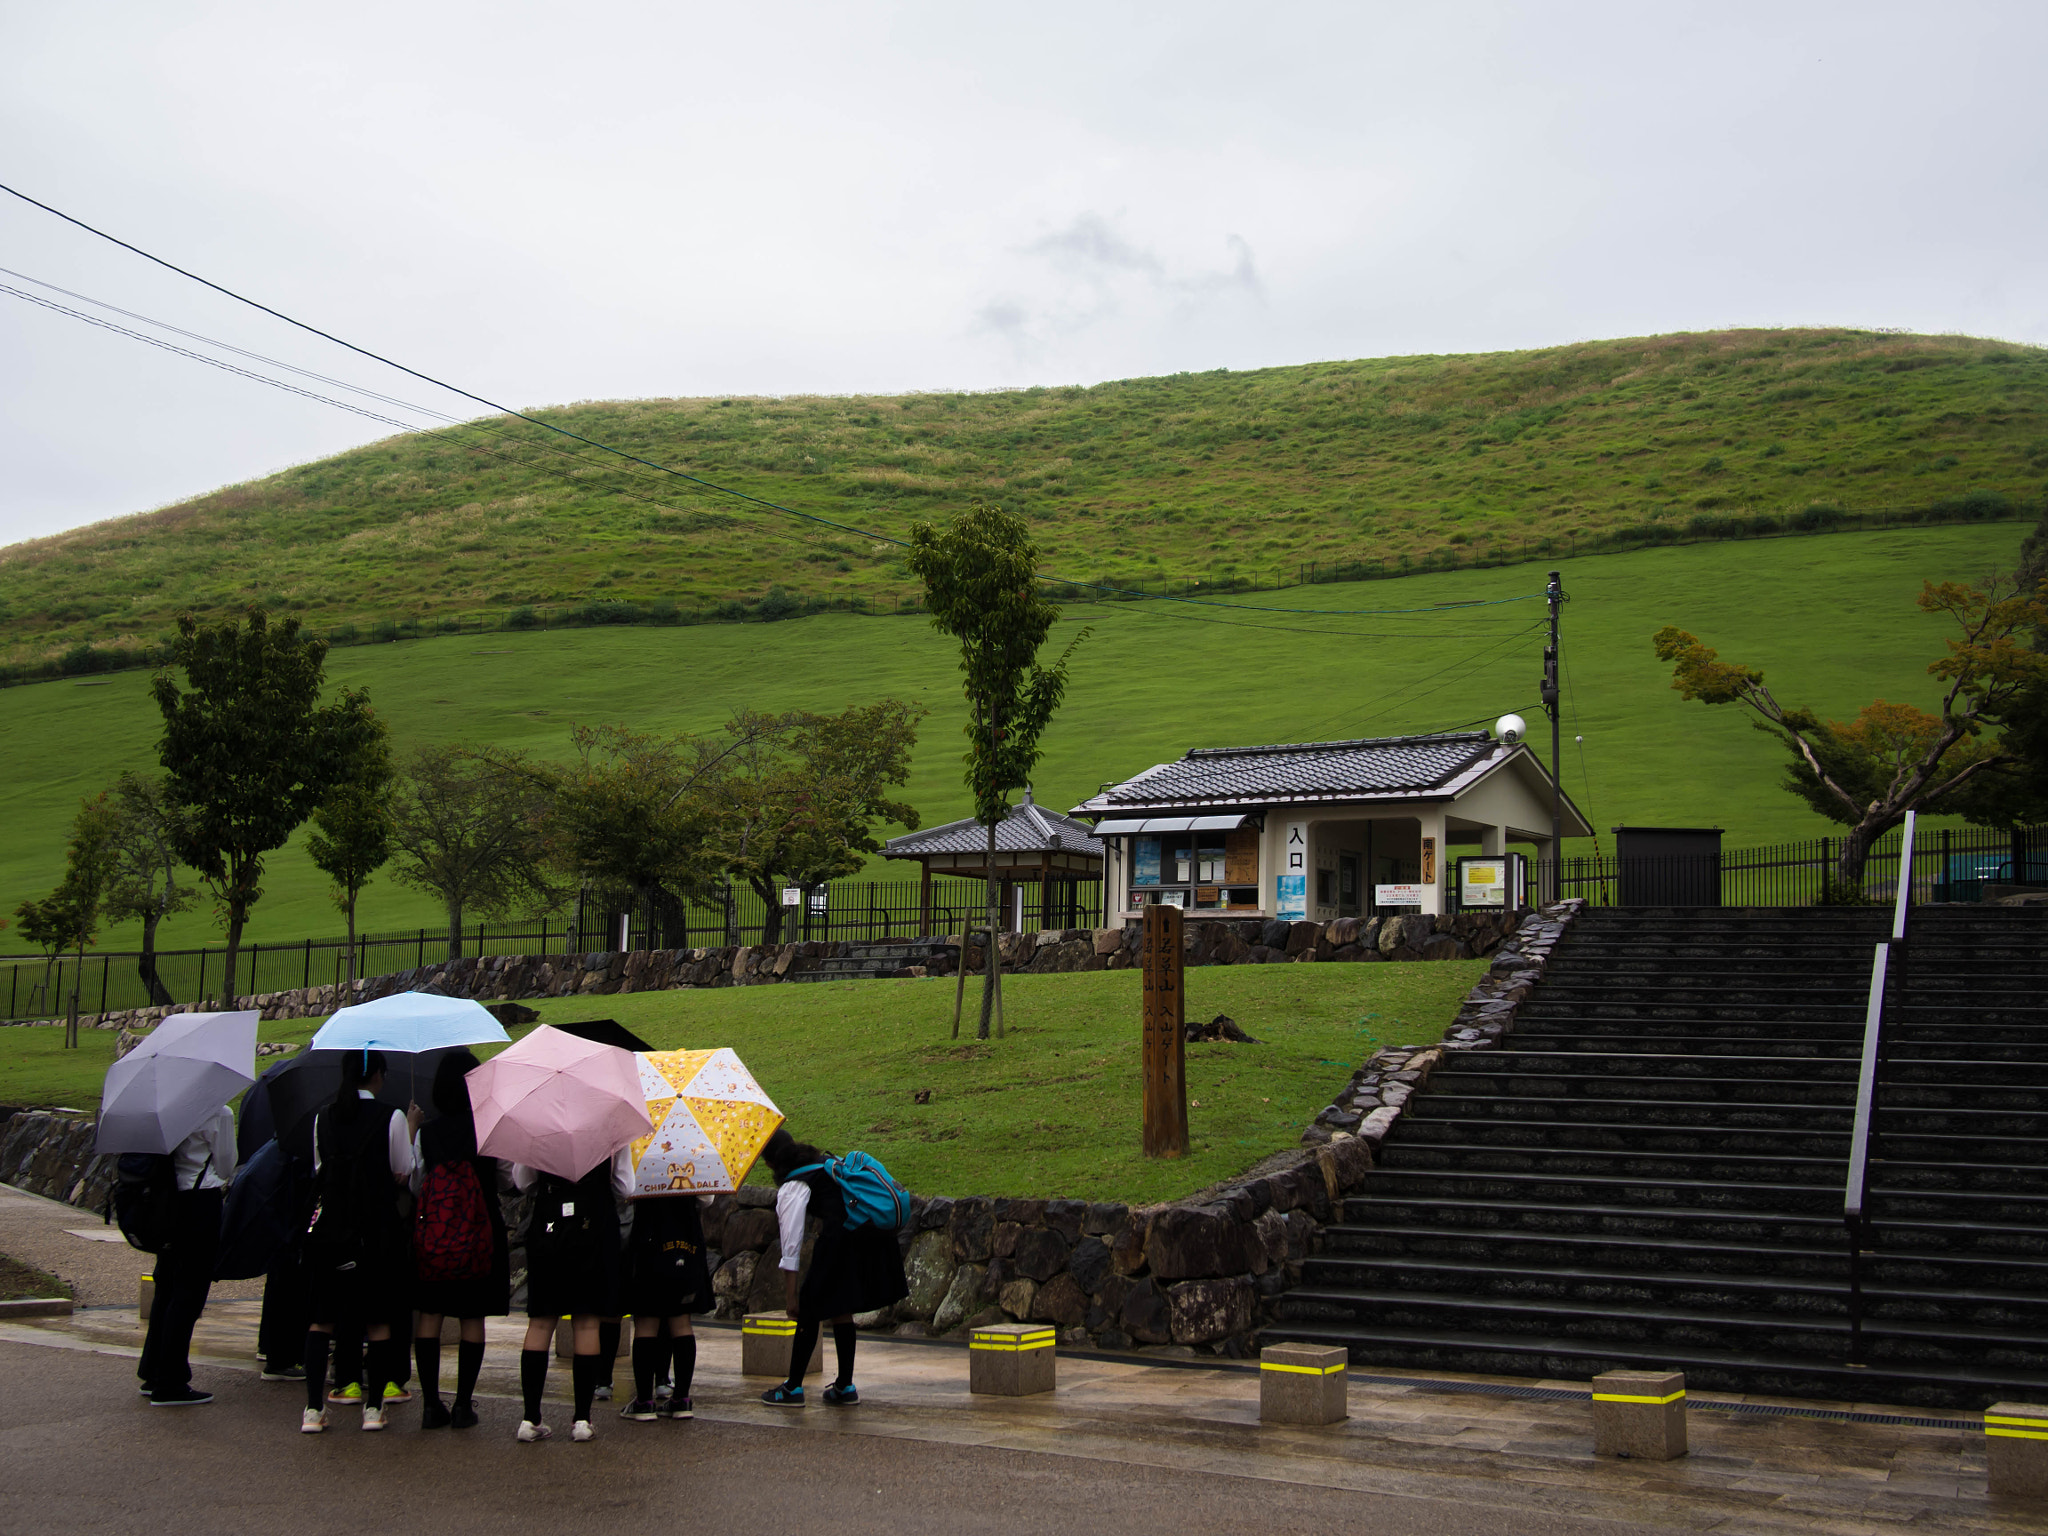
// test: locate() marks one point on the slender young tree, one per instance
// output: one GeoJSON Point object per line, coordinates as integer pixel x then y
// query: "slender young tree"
{"type": "Point", "coordinates": [69, 917]}
{"type": "Point", "coordinates": [1892, 758]}
{"type": "Point", "coordinates": [351, 836]}
{"type": "Point", "coordinates": [249, 751]}
{"type": "Point", "coordinates": [146, 885]}
{"type": "Point", "coordinates": [468, 830]}
{"type": "Point", "coordinates": [981, 587]}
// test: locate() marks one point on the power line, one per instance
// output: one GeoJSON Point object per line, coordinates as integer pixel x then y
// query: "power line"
{"type": "Point", "coordinates": [621, 453]}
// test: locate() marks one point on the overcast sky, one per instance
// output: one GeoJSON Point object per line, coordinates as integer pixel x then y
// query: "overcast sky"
{"type": "Point", "coordinates": [547, 203]}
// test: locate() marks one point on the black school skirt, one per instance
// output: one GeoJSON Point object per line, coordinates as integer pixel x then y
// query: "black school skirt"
{"type": "Point", "coordinates": [851, 1271]}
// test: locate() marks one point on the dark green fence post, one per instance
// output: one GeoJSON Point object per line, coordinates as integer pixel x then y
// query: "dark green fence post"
{"type": "Point", "coordinates": [199, 996]}
{"type": "Point", "coordinates": [106, 966]}
{"type": "Point", "coordinates": [309, 969]}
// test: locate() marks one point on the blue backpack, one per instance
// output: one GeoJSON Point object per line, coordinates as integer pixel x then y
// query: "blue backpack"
{"type": "Point", "coordinates": [872, 1198]}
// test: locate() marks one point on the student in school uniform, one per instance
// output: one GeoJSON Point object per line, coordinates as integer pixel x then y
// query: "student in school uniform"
{"type": "Point", "coordinates": [853, 1270]}
{"type": "Point", "coordinates": [356, 1259]}
{"type": "Point", "coordinates": [202, 1164]}
{"type": "Point", "coordinates": [573, 1269]}
{"type": "Point", "coordinates": [667, 1279]}
{"type": "Point", "coordinates": [448, 1144]}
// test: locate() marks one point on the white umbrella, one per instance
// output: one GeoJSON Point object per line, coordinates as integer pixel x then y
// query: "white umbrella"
{"type": "Point", "coordinates": [164, 1090]}
{"type": "Point", "coordinates": [410, 1022]}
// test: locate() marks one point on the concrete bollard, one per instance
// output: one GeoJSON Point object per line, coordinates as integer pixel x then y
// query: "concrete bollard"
{"type": "Point", "coordinates": [1639, 1414]}
{"type": "Point", "coordinates": [1303, 1384]}
{"type": "Point", "coordinates": [2016, 1448]}
{"type": "Point", "coordinates": [765, 1341]}
{"type": "Point", "coordinates": [147, 1296]}
{"type": "Point", "coordinates": [1011, 1359]}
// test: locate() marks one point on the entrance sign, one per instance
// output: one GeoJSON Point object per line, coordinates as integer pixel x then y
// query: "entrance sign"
{"type": "Point", "coordinates": [1397, 895]}
{"type": "Point", "coordinates": [1429, 861]}
{"type": "Point", "coordinates": [1165, 1034]}
{"type": "Point", "coordinates": [1483, 882]}
{"type": "Point", "coordinates": [1290, 886]}
{"type": "Point", "coordinates": [792, 896]}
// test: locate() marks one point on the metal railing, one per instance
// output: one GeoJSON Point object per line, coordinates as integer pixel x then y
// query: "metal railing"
{"type": "Point", "coordinates": [1884, 973]}
{"type": "Point", "coordinates": [36, 987]}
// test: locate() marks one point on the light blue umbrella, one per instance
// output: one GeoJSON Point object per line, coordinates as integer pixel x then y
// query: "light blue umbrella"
{"type": "Point", "coordinates": [410, 1022]}
{"type": "Point", "coordinates": [170, 1084]}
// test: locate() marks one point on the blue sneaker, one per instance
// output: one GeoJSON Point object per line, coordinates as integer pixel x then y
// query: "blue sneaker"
{"type": "Point", "coordinates": [842, 1397]}
{"type": "Point", "coordinates": [784, 1396]}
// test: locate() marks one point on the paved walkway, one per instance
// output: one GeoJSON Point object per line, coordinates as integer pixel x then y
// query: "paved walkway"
{"type": "Point", "coordinates": [1414, 1455]}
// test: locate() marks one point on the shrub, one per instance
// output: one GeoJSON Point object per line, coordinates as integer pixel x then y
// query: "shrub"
{"type": "Point", "coordinates": [522, 617]}
{"type": "Point", "coordinates": [778, 604]}
{"type": "Point", "coordinates": [1817, 516]}
{"type": "Point", "coordinates": [664, 611]}
{"type": "Point", "coordinates": [82, 659]}
{"type": "Point", "coordinates": [383, 629]}
{"type": "Point", "coordinates": [606, 611]}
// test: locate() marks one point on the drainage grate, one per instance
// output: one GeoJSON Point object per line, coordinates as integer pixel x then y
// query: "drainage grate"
{"type": "Point", "coordinates": [1566, 1395]}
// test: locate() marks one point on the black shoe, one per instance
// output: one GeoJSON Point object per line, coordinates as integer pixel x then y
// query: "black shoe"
{"type": "Point", "coordinates": [842, 1395]}
{"type": "Point", "coordinates": [462, 1416]}
{"type": "Point", "coordinates": [435, 1415]}
{"type": "Point", "coordinates": [183, 1397]}
{"type": "Point", "coordinates": [679, 1408]}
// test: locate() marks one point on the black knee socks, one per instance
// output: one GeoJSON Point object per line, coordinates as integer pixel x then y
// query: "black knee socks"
{"type": "Point", "coordinates": [380, 1365]}
{"type": "Point", "coordinates": [469, 1363]}
{"type": "Point", "coordinates": [317, 1347]}
{"type": "Point", "coordinates": [843, 1336]}
{"type": "Point", "coordinates": [426, 1357]}
{"type": "Point", "coordinates": [800, 1347]}
{"type": "Point", "coordinates": [583, 1373]}
{"type": "Point", "coordinates": [684, 1354]}
{"type": "Point", "coordinates": [647, 1355]}
{"type": "Point", "coordinates": [533, 1380]}
{"type": "Point", "coordinates": [607, 1352]}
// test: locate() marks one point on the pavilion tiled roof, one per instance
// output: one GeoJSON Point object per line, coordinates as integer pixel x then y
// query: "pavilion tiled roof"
{"type": "Point", "coordinates": [1027, 828]}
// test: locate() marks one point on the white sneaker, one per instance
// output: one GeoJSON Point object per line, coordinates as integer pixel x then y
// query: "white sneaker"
{"type": "Point", "coordinates": [581, 1431]}
{"type": "Point", "coordinates": [312, 1421]}
{"type": "Point", "coordinates": [529, 1432]}
{"type": "Point", "coordinates": [373, 1416]}
{"type": "Point", "coordinates": [602, 1394]}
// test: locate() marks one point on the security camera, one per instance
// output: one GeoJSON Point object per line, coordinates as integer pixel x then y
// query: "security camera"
{"type": "Point", "coordinates": [1511, 729]}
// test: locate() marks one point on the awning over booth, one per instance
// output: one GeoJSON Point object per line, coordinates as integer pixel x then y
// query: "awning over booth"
{"type": "Point", "coordinates": [1170, 824]}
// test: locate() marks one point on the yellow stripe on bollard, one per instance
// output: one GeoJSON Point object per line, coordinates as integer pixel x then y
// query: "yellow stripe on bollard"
{"type": "Point", "coordinates": [2007, 1427]}
{"type": "Point", "coordinates": [780, 1329]}
{"type": "Point", "coordinates": [1624, 1397]}
{"type": "Point", "coordinates": [1300, 1370]}
{"type": "Point", "coordinates": [1011, 1343]}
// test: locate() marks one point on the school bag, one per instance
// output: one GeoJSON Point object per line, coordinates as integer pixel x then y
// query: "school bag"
{"type": "Point", "coordinates": [871, 1197]}
{"type": "Point", "coordinates": [260, 1216]}
{"type": "Point", "coordinates": [451, 1235]}
{"type": "Point", "coordinates": [143, 1200]}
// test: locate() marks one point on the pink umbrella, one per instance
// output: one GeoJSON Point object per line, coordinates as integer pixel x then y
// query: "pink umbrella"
{"type": "Point", "coordinates": [558, 1103]}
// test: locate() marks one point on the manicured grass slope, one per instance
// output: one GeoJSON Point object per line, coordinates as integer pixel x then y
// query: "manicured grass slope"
{"type": "Point", "coordinates": [1831, 619]}
{"type": "Point", "coordinates": [1051, 1109]}
{"type": "Point", "coordinates": [1197, 475]}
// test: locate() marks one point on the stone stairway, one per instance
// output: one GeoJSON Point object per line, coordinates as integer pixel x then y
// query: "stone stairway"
{"type": "Point", "coordinates": [886, 957]}
{"type": "Point", "coordinates": [1649, 1171]}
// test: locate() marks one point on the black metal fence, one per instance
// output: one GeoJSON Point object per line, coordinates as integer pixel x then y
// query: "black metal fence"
{"type": "Point", "coordinates": [32, 987]}
{"type": "Point", "coordinates": [1951, 865]}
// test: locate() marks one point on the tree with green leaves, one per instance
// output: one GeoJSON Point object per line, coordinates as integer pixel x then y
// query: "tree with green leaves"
{"type": "Point", "coordinates": [351, 836]}
{"type": "Point", "coordinates": [981, 587]}
{"type": "Point", "coordinates": [1892, 758]}
{"type": "Point", "coordinates": [146, 886]}
{"type": "Point", "coordinates": [249, 751]}
{"type": "Point", "coordinates": [69, 917]}
{"type": "Point", "coordinates": [468, 829]}
{"type": "Point", "coordinates": [801, 799]}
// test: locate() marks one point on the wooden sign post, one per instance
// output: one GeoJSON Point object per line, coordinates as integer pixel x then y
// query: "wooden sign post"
{"type": "Point", "coordinates": [1166, 1078]}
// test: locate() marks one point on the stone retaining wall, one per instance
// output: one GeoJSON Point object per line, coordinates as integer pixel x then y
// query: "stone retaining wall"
{"type": "Point", "coordinates": [1190, 1276]}
{"type": "Point", "coordinates": [506, 978]}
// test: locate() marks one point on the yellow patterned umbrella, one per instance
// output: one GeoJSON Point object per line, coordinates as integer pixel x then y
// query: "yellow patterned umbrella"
{"type": "Point", "coordinates": [711, 1120]}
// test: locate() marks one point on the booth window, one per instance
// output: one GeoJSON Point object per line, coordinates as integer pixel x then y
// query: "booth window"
{"type": "Point", "coordinates": [1197, 870]}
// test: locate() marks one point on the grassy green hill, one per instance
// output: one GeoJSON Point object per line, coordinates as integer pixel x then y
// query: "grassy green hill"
{"type": "Point", "coordinates": [1223, 477]}
{"type": "Point", "coordinates": [1830, 619]}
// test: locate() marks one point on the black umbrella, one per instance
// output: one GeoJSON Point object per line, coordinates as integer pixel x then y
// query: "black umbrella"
{"type": "Point", "coordinates": [301, 1084]}
{"type": "Point", "coordinates": [606, 1032]}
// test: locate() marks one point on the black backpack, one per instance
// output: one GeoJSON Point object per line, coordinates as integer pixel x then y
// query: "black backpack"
{"type": "Point", "coordinates": [144, 1198]}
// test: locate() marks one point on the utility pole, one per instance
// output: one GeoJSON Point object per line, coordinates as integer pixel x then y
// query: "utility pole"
{"type": "Point", "coordinates": [1555, 593]}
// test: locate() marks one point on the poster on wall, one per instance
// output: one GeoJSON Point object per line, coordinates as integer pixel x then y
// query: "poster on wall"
{"type": "Point", "coordinates": [1482, 882]}
{"type": "Point", "coordinates": [1290, 897]}
{"type": "Point", "coordinates": [1397, 895]}
{"type": "Point", "coordinates": [1145, 861]}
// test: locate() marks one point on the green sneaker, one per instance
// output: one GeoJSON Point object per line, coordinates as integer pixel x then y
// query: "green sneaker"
{"type": "Point", "coordinates": [394, 1393]}
{"type": "Point", "coordinates": [350, 1396]}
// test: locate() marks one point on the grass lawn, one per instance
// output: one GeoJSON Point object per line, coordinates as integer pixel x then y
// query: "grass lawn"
{"type": "Point", "coordinates": [19, 1282]}
{"type": "Point", "coordinates": [1830, 619]}
{"type": "Point", "coordinates": [1051, 1109]}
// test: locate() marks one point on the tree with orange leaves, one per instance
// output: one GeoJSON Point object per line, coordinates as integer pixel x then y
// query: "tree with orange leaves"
{"type": "Point", "coordinates": [1866, 773]}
